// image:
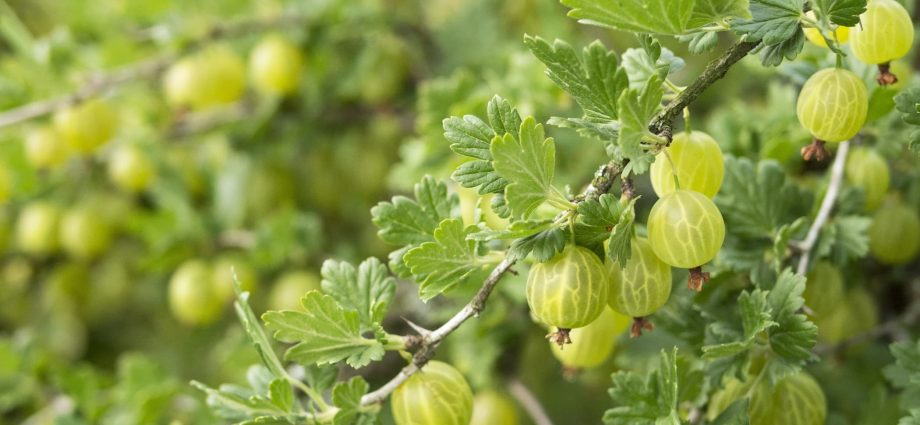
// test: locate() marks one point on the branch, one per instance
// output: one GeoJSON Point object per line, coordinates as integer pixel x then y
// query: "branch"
{"type": "Point", "coordinates": [530, 403]}
{"type": "Point", "coordinates": [603, 181]}
{"type": "Point", "coordinates": [145, 69]}
{"type": "Point", "coordinates": [713, 72]}
{"type": "Point", "coordinates": [824, 213]}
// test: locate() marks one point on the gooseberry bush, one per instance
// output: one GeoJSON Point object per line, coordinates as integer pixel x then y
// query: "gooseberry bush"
{"type": "Point", "coordinates": [715, 225]}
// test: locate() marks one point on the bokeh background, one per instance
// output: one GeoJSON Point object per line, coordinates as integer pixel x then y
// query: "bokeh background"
{"type": "Point", "coordinates": [273, 186]}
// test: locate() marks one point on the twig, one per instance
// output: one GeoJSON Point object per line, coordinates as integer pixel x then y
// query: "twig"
{"type": "Point", "coordinates": [431, 340]}
{"type": "Point", "coordinates": [145, 69]}
{"type": "Point", "coordinates": [713, 72]}
{"type": "Point", "coordinates": [824, 213]}
{"type": "Point", "coordinates": [531, 405]}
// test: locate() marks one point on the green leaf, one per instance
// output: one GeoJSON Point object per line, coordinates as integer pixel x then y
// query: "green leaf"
{"type": "Point", "coordinates": [772, 21]}
{"type": "Point", "coordinates": [544, 245]}
{"type": "Point", "coordinates": [735, 414]}
{"type": "Point", "coordinates": [323, 333]}
{"type": "Point", "coordinates": [608, 216]}
{"type": "Point", "coordinates": [515, 230]}
{"type": "Point", "coordinates": [479, 174]}
{"type": "Point", "coordinates": [709, 11]}
{"type": "Point", "coordinates": [700, 42]}
{"type": "Point", "coordinates": [367, 290]}
{"type": "Point", "coordinates": [648, 400]}
{"type": "Point", "coordinates": [845, 238]}
{"type": "Point", "coordinates": [528, 163]}
{"type": "Point", "coordinates": [756, 200]}
{"type": "Point", "coordinates": [448, 261]}
{"type": "Point", "coordinates": [503, 118]}
{"type": "Point", "coordinates": [595, 81]}
{"type": "Point", "coordinates": [347, 397]}
{"type": "Point", "coordinates": [904, 374]}
{"type": "Point", "coordinates": [842, 12]}
{"type": "Point", "coordinates": [794, 336]}
{"type": "Point", "coordinates": [404, 221]}
{"type": "Point", "coordinates": [281, 394]}
{"type": "Point", "coordinates": [636, 110]}
{"type": "Point", "coordinates": [657, 17]}
{"type": "Point", "coordinates": [755, 318]}
{"type": "Point", "coordinates": [603, 131]}
{"type": "Point", "coordinates": [773, 55]}
{"type": "Point", "coordinates": [235, 403]}
{"type": "Point", "coordinates": [908, 103]}
{"type": "Point", "coordinates": [619, 246]}
{"type": "Point", "coordinates": [472, 137]}
{"type": "Point", "coordinates": [651, 59]}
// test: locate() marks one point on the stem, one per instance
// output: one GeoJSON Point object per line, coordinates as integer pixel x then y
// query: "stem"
{"type": "Point", "coordinates": [673, 87]}
{"type": "Point", "coordinates": [687, 128]}
{"type": "Point", "coordinates": [667, 155]}
{"type": "Point", "coordinates": [824, 213]}
{"type": "Point", "coordinates": [531, 405]}
{"type": "Point", "coordinates": [713, 72]}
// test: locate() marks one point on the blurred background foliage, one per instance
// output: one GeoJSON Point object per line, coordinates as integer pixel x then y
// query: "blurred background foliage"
{"type": "Point", "coordinates": [275, 186]}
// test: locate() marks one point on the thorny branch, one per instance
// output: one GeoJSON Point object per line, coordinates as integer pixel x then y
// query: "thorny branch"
{"type": "Point", "coordinates": [602, 183]}
{"type": "Point", "coordinates": [149, 68]}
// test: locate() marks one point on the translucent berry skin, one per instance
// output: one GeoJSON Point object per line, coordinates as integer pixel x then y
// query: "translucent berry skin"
{"type": "Point", "coordinates": [570, 290]}
{"type": "Point", "coordinates": [833, 105]}
{"type": "Point", "coordinates": [592, 344]}
{"type": "Point", "coordinates": [37, 228]}
{"type": "Point", "coordinates": [685, 229]}
{"type": "Point", "coordinates": [699, 162]}
{"type": "Point", "coordinates": [841, 33]}
{"type": "Point", "coordinates": [868, 170]}
{"type": "Point", "coordinates": [275, 65]}
{"type": "Point", "coordinates": [885, 34]}
{"type": "Point", "coordinates": [85, 233]}
{"type": "Point", "coordinates": [824, 289]}
{"type": "Point", "coordinates": [45, 148]}
{"type": "Point", "coordinates": [492, 408]}
{"type": "Point", "coordinates": [795, 399]}
{"type": "Point", "coordinates": [193, 299]}
{"type": "Point", "coordinates": [644, 283]}
{"type": "Point", "coordinates": [894, 237]}
{"type": "Point", "coordinates": [435, 395]}
{"type": "Point", "coordinates": [130, 169]}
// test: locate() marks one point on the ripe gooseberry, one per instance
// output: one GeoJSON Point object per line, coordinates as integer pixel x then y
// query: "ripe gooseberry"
{"type": "Point", "coordinates": [275, 65]}
{"type": "Point", "coordinates": [894, 237]}
{"type": "Point", "coordinates": [290, 288]}
{"type": "Point", "coordinates": [87, 126]}
{"type": "Point", "coordinates": [644, 283]}
{"type": "Point", "coordinates": [45, 148]}
{"type": "Point", "coordinates": [699, 163]}
{"type": "Point", "coordinates": [435, 395]}
{"type": "Point", "coordinates": [833, 104]}
{"type": "Point", "coordinates": [130, 169]}
{"type": "Point", "coordinates": [592, 344]}
{"type": "Point", "coordinates": [193, 298]}
{"type": "Point", "coordinates": [824, 289]}
{"type": "Point", "coordinates": [885, 33]}
{"type": "Point", "coordinates": [685, 229]}
{"type": "Point", "coordinates": [37, 228]}
{"type": "Point", "coordinates": [84, 232]}
{"type": "Point", "coordinates": [795, 399]}
{"type": "Point", "coordinates": [868, 171]}
{"type": "Point", "coordinates": [568, 291]}
{"type": "Point", "coordinates": [493, 408]}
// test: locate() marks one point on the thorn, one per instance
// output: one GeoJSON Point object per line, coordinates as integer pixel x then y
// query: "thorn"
{"type": "Point", "coordinates": [815, 150]}
{"type": "Point", "coordinates": [421, 331]}
{"type": "Point", "coordinates": [697, 279]}
{"type": "Point", "coordinates": [639, 324]}
{"type": "Point", "coordinates": [560, 337]}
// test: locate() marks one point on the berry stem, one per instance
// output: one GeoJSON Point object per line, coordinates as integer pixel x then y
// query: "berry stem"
{"type": "Point", "coordinates": [885, 77]}
{"type": "Point", "coordinates": [560, 337]}
{"type": "Point", "coordinates": [815, 150]}
{"type": "Point", "coordinates": [697, 278]}
{"type": "Point", "coordinates": [639, 324]}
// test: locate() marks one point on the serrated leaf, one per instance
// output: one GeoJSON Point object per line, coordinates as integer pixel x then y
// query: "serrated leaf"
{"type": "Point", "coordinates": [448, 261]}
{"type": "Point", "coordinates": [515, 230]}
{"type": "Point", "coordinates": [651, 59]}
{"type": "Point", "coordinates": [236, 403]}
{"type": "Point", "coordinates": [646, 400]}
{"type": "Point", "coordinates": [789, 49]}
{"type": "Point", "coordinates": [503, 118]}
{"type": "Point", "coordinates": [469, 136]}
{"type": "Point", "coordinates": [595, 80]}
{"type": "Point", "coordinates": [772, 21]}
{"type": "Point", "coordinates": [405, 221]}
{"type": "Point", "coordinates": [755, 318]}
{"type": "Point", "coordinates": [700, 42]}
{"type": "Point", "coordinates": [842, 12]}
{"type": "Point", "coordinates": [908, 103]}
{"type": "Point", "coordinates": [347, 397]}
{"type": "Point", "coordinates": [756, 200]}
{"type": "Point", "coordinates": [735, 414]}
{"type": "Point", "coordinates": [603, 131]}
{"type": "Point", "coordinates": [709, 11]}
{"type": "Point", "coordinates": [367, 290]}
{"type": "Point", "coordinates": [281, 394]}
{"type": "Point", "coordinates": [794, 336]}
{"type": "Point", "coordinates": [845, 238]}
{"type": "Point", "coordinates": [656, 17]}
{"type": "Point", "coordinates": [323, 333]}
{"type": "Point", "coordinates": [544, 245]}
{"type": "Point", "coordinates": [529, 164]}
{"type": "Point", "coordinates": [636, 110]}
{"type": "Point", "coordinates": [481, 174]}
